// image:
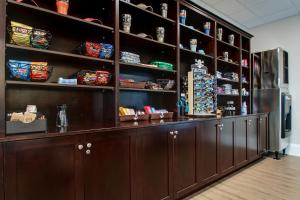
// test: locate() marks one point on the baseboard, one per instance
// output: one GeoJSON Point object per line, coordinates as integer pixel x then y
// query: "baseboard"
{"type": "Point", "coordinates": [294, 150]}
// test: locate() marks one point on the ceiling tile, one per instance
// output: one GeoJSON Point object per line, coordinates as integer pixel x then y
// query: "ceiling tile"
{"type": "Point", "coordinates": [281, 15]}
{"type": "Point", "coordinates": [269, 7]}
{"type": "Point", "coordinates": [242, 16]}
{"type": "Point", "coordinates": [229, 6]}
{"type": "Point", "coordinates": [212, 2]}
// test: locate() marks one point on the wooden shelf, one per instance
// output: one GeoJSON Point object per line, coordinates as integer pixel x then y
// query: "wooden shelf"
{"type": "Point", "coordinates": [56, 85]}
{"type": "Point", "coordinates": [47, 11]}
{"type": "Point", "coordinates": [229, 95]}
{"type": "Point", "coordinates": [196, 53]}
{"type": "Point", "coordinates": [245, 67]}
{"type": "Point", "coordinates": [147, 39]}
{"type": "Point", "coordinates": [58, 53]}
{"type": "Point", "coordinates": [196, 31]}
{"type": "Point", "coordinates": [226, 62]}
{"type": "Point", "coordinates": [227, 44]}
{"type": "Point", "coordinates": [227, 80]}
{"type": "Point", "coordinates": [244, 50]}
{"type": "Point", "coordinates": [146, 67]}
{"type": "Point", "coordinates": [148, 12]}
{"type": "Point", "coordinates": [148, 90]}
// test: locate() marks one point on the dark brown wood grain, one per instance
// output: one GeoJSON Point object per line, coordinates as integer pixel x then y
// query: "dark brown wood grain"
{"type": "Point", "coordinates": [44, 169]}
{"type": "Point", "coordinates": [252, 138]}
{"type": "Point", "coordinates": [207, 162]}
{"type": "Point", "coordinates": [263, 133]}
{"type": "Point", "coordinates": [185, 159]}
{"type": "Point", "coordinates": [2, 68]}
{"type": "Point", "coordinates": [240, 140]}
{"type": "Point", "coordinates": [1, 172]}
{"type": "Point", "coordinates": [107, 170]}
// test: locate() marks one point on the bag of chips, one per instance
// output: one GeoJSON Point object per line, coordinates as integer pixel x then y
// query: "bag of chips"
{"type": "Point", "coordinates": [102, 78]}
{"type": "Point", "coordinates": [40, 39]}
{"type": "Point", "coordinates": [19, 70]}
{"type": "Point", "coordinates": [106, 51]}
{"type": "Point", "coordinates": [39, 71]}
{"type": "Point", "coordinates": [86, 77]}
{"type": "Point", "coordinates": [19, 34]}
{"type": "Point", "coordinates": [90, 49]}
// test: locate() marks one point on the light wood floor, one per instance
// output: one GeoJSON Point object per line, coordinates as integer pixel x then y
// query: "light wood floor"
{"type": "Point", "coordinates": [267, 180]}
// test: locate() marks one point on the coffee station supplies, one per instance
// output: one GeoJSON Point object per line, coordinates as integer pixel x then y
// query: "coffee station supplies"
{"type": "Point", "coordinates": [129, 57]}
{"type": "Point", "coordinates": [162, 65]}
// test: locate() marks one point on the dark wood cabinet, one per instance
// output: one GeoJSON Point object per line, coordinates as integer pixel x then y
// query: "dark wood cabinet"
{"type": "Point", "coordinates": [263, 133]}
{"type": "Point", "coordinates": [240, 142]}
{"type": "Point", "coordinates": [153, 164]}
{"type": "Point", "coordinates": [226, 146]}
{"type": "Point", "coordinates": [1, 173]}
{"type": "Point", "coordinates": [107, 166]}
{"type": "Point", "coordinates": [252, 138]}
{"type": "Point", "coordinates": [44, 169]}
{"type": "Point", "coordinates": [185, 157]}
{"type": "Point", "coordinates": [207, 149]}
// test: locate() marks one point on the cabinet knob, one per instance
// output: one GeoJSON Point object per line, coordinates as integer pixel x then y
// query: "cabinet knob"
{"type": "Point", "coordinates": [176, 132]}
{"type": "Point", "coordinates": [175, 136]}
{"type": "Point", "coordinates": [88, 152]}
{"type": "Point", "coordinates": [80, 147]}
{"type": "Point", "coordinates": [89, 145]}
{"type": "Point", "coordinates": [172, 133]}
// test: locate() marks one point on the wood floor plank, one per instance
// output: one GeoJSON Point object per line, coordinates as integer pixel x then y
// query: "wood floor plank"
{"type": "Point", "coordinates": [268, 179]}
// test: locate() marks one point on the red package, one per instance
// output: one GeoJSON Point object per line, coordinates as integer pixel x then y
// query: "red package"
{"type": "Point", "coordinates": [102, 78]}
{"type": "Point", "coordinates": [39, 71]}
{"type": "Point", "coordinates": [91, 49]}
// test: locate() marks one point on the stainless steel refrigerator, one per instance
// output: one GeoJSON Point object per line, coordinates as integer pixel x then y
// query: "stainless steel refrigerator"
{"type": "Point", "coordinates": [271, 94]}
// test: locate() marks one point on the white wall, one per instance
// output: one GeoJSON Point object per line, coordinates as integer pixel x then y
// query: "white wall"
{"type": "Point", "coordinates": [285, 34]}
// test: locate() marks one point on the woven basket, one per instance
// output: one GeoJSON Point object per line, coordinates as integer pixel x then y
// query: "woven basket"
{"type": "Point", "coordinates": [136, 85]}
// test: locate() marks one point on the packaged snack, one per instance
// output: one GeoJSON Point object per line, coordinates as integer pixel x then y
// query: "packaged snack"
{"type": "Point", "coordinates": [19, 70]}
{"type": "Point", "coordinates": [86, 77]}
{"type": "Point", "coordinates": [90, 49]}
{"type": "Point", "coordinates": [19, 34]}
{"type": "Point", "coordinates": [40, 39]}
{"type": "Point", "coordinates": [39, 71]}
{"type": "Point", "coordinates": [106, 51]}
{"type": "Point", "coordinates": [102, 78]}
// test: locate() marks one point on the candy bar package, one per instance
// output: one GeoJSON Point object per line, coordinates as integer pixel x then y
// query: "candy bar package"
{"type": "Point", "coordinates": [86, 77]}
{"type": "Point", "coordinates": [39, 71]}
{"type": "Point", "coordinates": [40, 39]}
{"type": "Point", "coordinates": [19, 70]}
{"type": "Point", "coordinates": [106, 51]}
{"type": "Point", "coordinates": [19, 34]}
{"type": "Point", "coordinates": [90, 49]}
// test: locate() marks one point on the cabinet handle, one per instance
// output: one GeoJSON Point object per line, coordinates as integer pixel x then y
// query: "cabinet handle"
{"type": "Point", "coordinates": [89, 145]}
{"type": "Point", "coordinates": [176, 132]}
{"type": "Point", "coordinates": [80, 147]}
{"type": "Point", "coordinates": [175, 136]}
{"type": "Point", "coordinates": [221, 127]}
{"type": "Point", "coordinates": [88, 152]}
{"type": "Point", "coordinates": [172, 133]}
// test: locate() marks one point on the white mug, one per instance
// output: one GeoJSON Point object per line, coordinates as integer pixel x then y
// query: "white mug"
{"type": "Point", "coordinates": [160, 34]}
{"type": "Point", "coordinates": [231, 39]}
{"type": "Point", "coordinates": [193, 45]}
{"type": "Point", "coordinates": [126, 22]}
{"type": "Point", "coordinates": [164, 9]}
{"type": "Point", "coordinates": [226, 56]}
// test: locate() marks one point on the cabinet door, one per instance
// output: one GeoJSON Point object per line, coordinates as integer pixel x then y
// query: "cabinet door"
{"type": "Point", "coordinates": [263, 133]}
{"type": "Point", "coordinates": [207, 157]}
{"type": "Point", "coordinates": [153, 166]}
{"type": "Point", "coordinates": [226, 146]}
{"type": "Point", "coordinates": [45, 169]}
{"type": "Point", "coordinates": [107, 165]}
{"type": "Point", "coordinates": [252, 139]}
{"type": "Point", "coordinates": [185, 156]}
{"type": "Point", "coordinates": [240, 147]}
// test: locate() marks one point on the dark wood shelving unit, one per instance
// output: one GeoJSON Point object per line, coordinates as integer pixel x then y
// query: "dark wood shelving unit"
{"type": "Point", "coordinates": [148, 90]}
{"type": "Point", "coordinates": [151, 41]}
{"type": "Point", "coordinates": [50, 12]}
{"type": "Point", "coordinates": [159, 17]}
{"type": "Point", "coordinates": [56, 85]}
{"type": "Point", "coordinates": [227, 62]}
{"type": "Point", "coordinates": [62, 57]}
{"type": "Point", "coordinates": [227, 80]}
{"type": "Point", "coordinates": [56, 53]}
{"type": "Point", "coordinates": [141, 66]}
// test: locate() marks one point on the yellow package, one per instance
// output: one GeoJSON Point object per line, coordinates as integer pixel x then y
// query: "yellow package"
{"type": "Point", "coordinates": [20, 34]}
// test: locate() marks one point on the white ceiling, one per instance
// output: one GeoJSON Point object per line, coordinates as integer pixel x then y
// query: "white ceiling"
{"type": "Point", "coordinates": [251, 13]}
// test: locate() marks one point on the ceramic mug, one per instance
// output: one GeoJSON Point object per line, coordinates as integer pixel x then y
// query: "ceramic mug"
{"type": "Point", "coordinates": [220, 34]}
{"type": "Point", "coordinates": [164, 9]}
{"type": "Point", "coordinates": [231, 39]}
{"type": "Point", "coordinates": [182, 16]}
{"type": "Point", "coordinates": [160, 34]}
{"type": "Point", "coordinates": [193, 45]}
{"type": "Point", "coordinates": [226, 56]}
{"type": "Point", "coordinates": [126, 22]}
{"type": "Point", "coordinates": [206, 28]}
